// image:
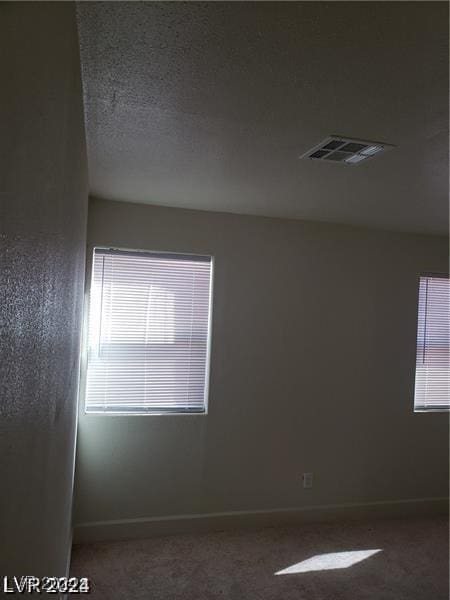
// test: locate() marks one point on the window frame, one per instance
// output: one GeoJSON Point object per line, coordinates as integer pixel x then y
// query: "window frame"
{"type": "Point", "coordinates": [419, 409]}
{"type": "Point", "coordinates": [82, 391]}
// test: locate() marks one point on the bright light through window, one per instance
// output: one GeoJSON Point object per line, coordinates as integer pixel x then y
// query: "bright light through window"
{"type": "Point", "coordinates": [432, 391]}
{"type": "Point", "coordinates": [326, 562]}
{"type": "Point", "coordinates": [148, 337]}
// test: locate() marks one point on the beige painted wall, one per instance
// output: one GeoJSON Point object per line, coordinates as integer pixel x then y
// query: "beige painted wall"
{"type": "Point", "coordinates": [43, 211]}
{"type": "Point", "coordinates": [313, 356]}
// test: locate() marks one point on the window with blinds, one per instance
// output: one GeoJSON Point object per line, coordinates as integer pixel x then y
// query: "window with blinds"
{"type": "Point", "coordinates": [432, 390]}
{"type": "Point", "coordinates": [148, 334]}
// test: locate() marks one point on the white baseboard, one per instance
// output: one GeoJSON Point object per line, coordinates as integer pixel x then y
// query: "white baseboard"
{"type": "Point", "coordinates": [143, 527]}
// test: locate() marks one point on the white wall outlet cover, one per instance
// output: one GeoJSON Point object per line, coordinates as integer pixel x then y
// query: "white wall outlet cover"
{"type": "Point", "coordinates": [307, 480]}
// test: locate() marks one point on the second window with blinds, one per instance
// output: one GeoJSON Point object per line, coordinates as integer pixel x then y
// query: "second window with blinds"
{"type": "Point", "coordinates": [432, 392]}
{"type": "Point", "coordinates": [148, 333]}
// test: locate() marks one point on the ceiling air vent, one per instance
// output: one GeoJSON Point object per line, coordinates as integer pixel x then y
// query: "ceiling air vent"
{"type": "Point", "coordinates": [346, 151]}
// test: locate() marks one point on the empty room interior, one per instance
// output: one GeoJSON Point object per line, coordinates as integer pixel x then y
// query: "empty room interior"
{"type": "Point", "coordinates": [225, 300]}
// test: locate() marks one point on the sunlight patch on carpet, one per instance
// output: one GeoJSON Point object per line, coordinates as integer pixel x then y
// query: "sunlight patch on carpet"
{"type": "Point", "coordinates": [325, 562]}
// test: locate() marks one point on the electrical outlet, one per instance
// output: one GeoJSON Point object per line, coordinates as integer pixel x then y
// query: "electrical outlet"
{"type": "Point", "coordinates": [307, 480]}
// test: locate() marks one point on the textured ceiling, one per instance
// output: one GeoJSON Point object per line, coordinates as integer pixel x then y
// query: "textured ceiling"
{"type": "Point", "coordinates": [209, 105]}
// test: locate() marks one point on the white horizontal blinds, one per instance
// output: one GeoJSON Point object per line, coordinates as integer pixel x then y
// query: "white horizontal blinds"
{"type": "Point", "coordinates": [432, 389]}
{"type": "Point", "coordinates": [148, 332]}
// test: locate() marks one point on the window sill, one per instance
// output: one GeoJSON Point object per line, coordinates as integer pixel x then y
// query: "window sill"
{"type": "Point", "coordinates": [143, 414]}
{"type": "Point", "coordinates": [431, 410]}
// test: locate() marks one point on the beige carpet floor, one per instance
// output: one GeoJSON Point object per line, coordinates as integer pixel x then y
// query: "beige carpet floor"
{"type": "Point", "coordinates": [412, 563]}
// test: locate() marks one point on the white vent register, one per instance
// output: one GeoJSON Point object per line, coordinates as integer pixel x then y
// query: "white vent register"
{"type": "Point", "coordinates": [347, 151]}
